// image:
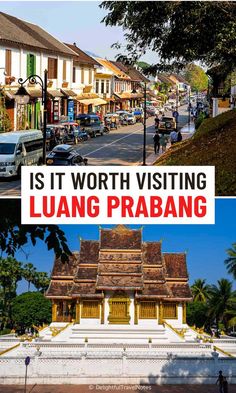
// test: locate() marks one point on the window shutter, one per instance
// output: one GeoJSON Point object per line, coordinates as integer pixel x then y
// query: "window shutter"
{"type": "Point", "coordinates": [8, 62]}
{"type": "Point", "coordinates": [74, 75]}
{"type": "Point", "coordinates": [64, 70]}
{"type": "Point", "coordinates": [90, 76]}
{"type": "Point", "coordinates": [28, 65]}
{"type": "Point", "coordinates": [82, 75]}
{"type": "Point", "coordinates": [34, 64]}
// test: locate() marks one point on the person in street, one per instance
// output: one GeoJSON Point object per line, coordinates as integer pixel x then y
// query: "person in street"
{"type": "Point", "coordinates": [156, 141]}
{"type": "Point", "coordinates": [219, 382]}
{"type": "Point", "coordinates": [179, 136]}
{"type": "Point", "coordinates": [163, 142]}
{"type": "Point", "coordinates": [157, 122]}
{"type": "Point", "coordinates": [225, 385]}
{"type": "Point", "coordinates": [173, 137]}
{"type": "Point", "coordinates": [175, 114]}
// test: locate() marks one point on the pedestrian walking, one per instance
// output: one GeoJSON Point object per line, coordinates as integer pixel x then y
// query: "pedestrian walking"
{"type": "Point", "coordinates": [163, 142]}
{"type": "Point", "coordinates": [225, 385]}
{"type": "Point", "coordinates": [157, 122]}
{"type": "Point", "coordinates": [175, 114]}
{"type": "Point", "coordinates": [156, 141]}
{"type": "Point", "coordinates": [220, 381]}
{"type": "Point", "coordinates": [173, 137]}
{"type": "Point", "coordinates": [179, 136]}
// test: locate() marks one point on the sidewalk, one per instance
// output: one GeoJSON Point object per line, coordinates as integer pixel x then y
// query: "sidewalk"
{"type": "Point", "coordinates": [186, 131]}
{"type": "Point", "coordinates": [114, 388]}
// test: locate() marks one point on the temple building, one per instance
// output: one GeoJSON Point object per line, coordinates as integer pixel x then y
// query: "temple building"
{"type": "Point", "coordinates": [120, 280]}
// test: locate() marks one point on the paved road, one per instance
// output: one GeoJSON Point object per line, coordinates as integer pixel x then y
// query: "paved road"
{"type": "Point", "coordinates": [120, 147]}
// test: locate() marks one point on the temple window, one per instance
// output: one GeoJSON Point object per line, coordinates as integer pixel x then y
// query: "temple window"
{"type": "Point", "coordinates": [90, 309]}
{"type": "Point", "coordinates": [147, 310]}
{"type": "Point", "coordinates": [170, 311]}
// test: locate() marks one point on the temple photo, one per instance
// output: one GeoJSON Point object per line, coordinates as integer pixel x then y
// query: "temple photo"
{"type": "Point", "coordinates": [117, 304]}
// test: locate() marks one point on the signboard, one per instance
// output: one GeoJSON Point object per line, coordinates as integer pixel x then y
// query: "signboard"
{"type": "Point", "coordinates": [70, 110]}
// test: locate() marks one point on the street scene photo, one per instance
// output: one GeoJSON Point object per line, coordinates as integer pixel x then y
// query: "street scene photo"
{"type": "Point", "coordinates": [128, 85]}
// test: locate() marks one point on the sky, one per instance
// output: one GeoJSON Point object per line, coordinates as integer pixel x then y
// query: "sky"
{"type": "Point", "coordinates": [71, 21]}
{"type": "Point", "coordinates": [206, 245]}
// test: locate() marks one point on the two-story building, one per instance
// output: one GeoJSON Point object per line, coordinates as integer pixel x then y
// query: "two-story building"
{"type": "Point", "coordinates": [121, 85]}
{"type": "Point", "coordinates": [26, 49]}
{"type": "Point", "coordinates": [136, 93]}
{"type": "Point", "coordinates": [103, 85]}
{"type": "Point", "coordinates": [83, 81]}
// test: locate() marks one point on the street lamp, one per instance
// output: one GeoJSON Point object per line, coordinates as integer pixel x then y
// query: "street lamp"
{"type": "Point", "coordinates": [144, 124]}
{"type": "Point", "coordinates": [177, 104]}
{"type": "Point", "coordinates": [144, 120]}
{"type": "Point", "coordinates": [23, 98]}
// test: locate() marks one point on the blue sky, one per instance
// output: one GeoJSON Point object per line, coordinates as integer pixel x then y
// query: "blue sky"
{"type": "Point", "coordinates": [71, 21]}
{"type": "Point", "coordinates": [205, 244]}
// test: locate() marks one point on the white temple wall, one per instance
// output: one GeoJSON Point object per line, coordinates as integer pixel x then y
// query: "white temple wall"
{"type": "Point", "coordinates": [120, 367]}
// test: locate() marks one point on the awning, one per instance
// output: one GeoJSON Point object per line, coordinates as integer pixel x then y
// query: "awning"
{"type": "Point", "coordinates": [34, 93]}
{"type": "Point", "coordinates": [100, 101]}
{"type": "Point", "coordinates": [54, 93]}
{"type": "Point", "coordinates": [86, 96]}
{"type": "Point", "coordinates": [88, 101]}
{"type": "Point", "coordinates": [9, 93]}
{"type": "Point", "coordinates": [68, 92]}
{"type": "Point", "coordinates": [93, 101]}
{"type": "Point", "coordinates": [129, 96]}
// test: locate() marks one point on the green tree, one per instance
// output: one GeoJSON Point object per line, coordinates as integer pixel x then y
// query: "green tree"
{"type": "Point", "coordinates": [29, 273]}
{"type": "Point", "coordinates": [5, 122]}
{"type": "Point", "coordinates": [143, 65]}
{"type": "Point", "coordinates": [196, 314]}
{"type": "Point", "coordinates": [10, 275]}
{"type": "Point", "coordinates": [221, 297]}
{"type": "Point", "coordinates": [13, 235]}
{"type": "Point", "coordinates": [180, 32]}
{"type": "Point", "coordinates": [196, 77]}
{"type": "Point", "coordinates": [30, 308]}
{"type": "Point", "coordinates": [41, 281]}
{"type": "Point", "coordinates": [200, 290]}
{"type": "Point", "coordinates": [230, 262]}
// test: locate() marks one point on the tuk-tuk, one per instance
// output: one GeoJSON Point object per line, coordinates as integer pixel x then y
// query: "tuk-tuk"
{"type": "Point", "coordinates": [112, 121]}
{"type": "Point", "coordinates": [54, 135]}
{"type": "Point", "coordinates": [138, 113]}
{"type": "Point", "coordinates": [91, 124]}
{"type": "Point", "coordinates": [71, 132]}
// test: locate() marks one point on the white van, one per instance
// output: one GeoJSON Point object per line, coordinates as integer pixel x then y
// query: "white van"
{"type": "Point", "coordinates": [19, 148]}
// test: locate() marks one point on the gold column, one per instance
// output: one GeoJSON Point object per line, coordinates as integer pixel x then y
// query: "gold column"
{"type": "Point", "coordinates": [160, 313]}
{"type": "Point", "coordinates": [103, 311]}
{"type": "Point", "coordinates": [77, 312]}
{"type": "Point", "coordinates": [184, 312]}
{"type": "Point", "coordinates": [54, 311]}
{"type": "Point", "coordinates": [135, 312]}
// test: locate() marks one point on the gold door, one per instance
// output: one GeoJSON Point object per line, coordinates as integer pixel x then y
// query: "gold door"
{"type": "Point", "coordinates": [119, 309]}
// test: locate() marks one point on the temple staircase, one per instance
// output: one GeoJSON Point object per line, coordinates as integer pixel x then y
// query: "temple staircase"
{"type": "Point", "coordinates": [110, 334]}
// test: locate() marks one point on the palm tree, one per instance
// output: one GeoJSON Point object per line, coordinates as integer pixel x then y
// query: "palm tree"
{"type": "Point", "coordinates": [29, 272]}
{"type": "Point", "coordinates": [230, 262]}
{"type": "Point", "coordinates": [41, 281]}
{"type": "Point", "coordinates": [200, 290]}
{"type": "Point", "coordinates": [10, 274]}
{"type": "Point", "coordinates": [221, 298]}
